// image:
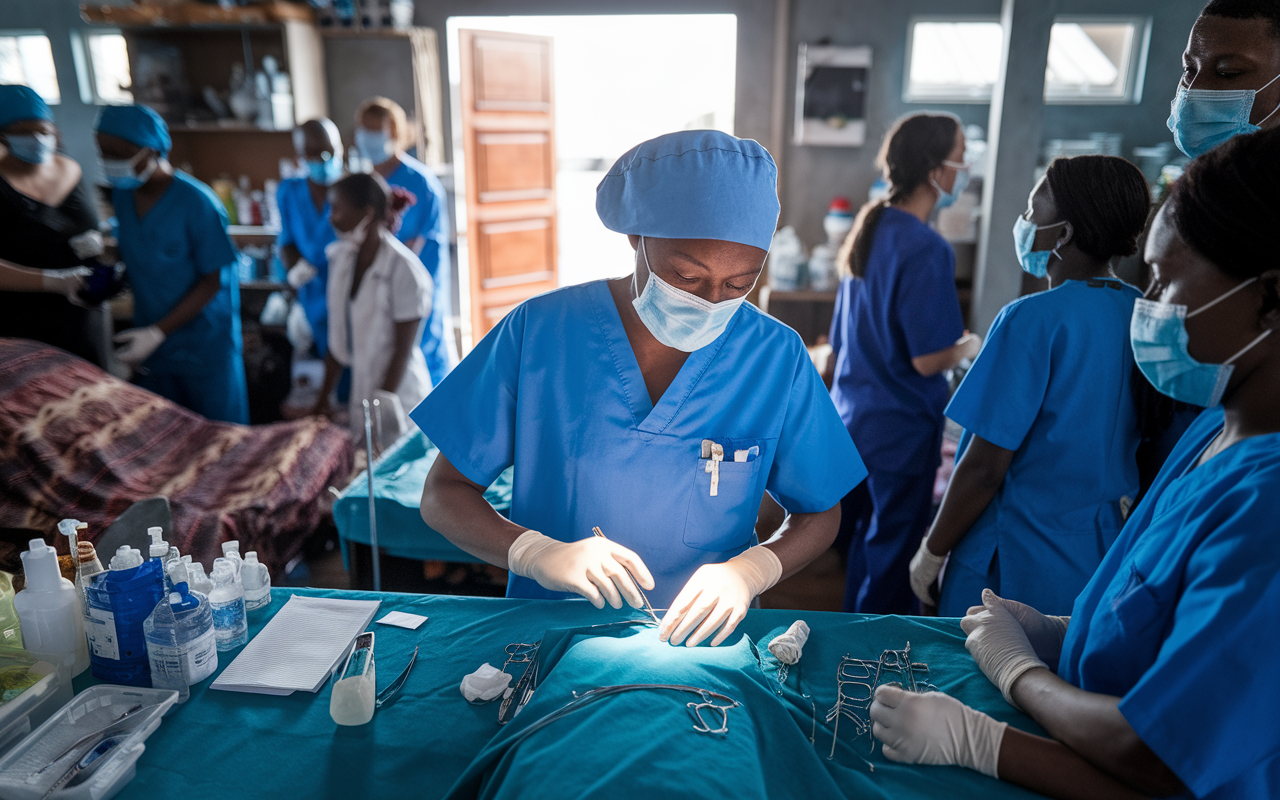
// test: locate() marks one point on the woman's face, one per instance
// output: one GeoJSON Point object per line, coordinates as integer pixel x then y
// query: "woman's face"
{"type": "Point", "coordinates": [947, 176]}
{"type": "Point", "coordinates": [1181, 276]}
{"type": "Point", "coordinates": [711, 269]}
{"type": "Point", "coordinates": [1042, 210]}
{"type": "Point", "coordinates": [343, 215]}
{"type": "Point", "coordinates": [1232, 54]}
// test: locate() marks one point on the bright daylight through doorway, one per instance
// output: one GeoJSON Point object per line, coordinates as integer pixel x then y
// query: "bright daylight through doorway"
{"type": "Point", "coordinates": [618, 81]}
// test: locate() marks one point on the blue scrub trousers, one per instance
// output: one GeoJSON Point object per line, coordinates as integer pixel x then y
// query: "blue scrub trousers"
{"type": "Point", "coordinates": [219, 394]}
{"type": "Point", "coordinates": [884, 518]}
{"type": "Point", "coordinates": [962, 587]}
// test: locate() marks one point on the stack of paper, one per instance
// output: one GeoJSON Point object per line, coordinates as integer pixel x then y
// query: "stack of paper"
{"type": "Point", "coordinates": [299, 647]}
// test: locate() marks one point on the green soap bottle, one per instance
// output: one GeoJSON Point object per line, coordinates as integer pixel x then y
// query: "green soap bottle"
{"type": "Point", "coordinates": [10, 631]}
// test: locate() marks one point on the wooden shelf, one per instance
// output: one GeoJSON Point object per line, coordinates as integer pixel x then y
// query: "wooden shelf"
{"type": "Point", "coordinates": [217, 127]}
{"type": "Point", "coordinates": [365, 33]}
{"type": "Point", "coordinates": [195, 15]}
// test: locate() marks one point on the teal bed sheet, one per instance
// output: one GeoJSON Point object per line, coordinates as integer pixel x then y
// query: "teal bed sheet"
{"type": "Point", "coordinates": [398, 477]}
{"type": "Point", "coordinates": [431, 741]}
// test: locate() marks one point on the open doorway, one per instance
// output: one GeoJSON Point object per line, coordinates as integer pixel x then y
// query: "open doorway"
{"type": "Point", "coordinates": [617, 80]}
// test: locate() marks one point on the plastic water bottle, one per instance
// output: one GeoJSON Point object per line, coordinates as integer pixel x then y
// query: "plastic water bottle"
{"type": "Point", "coordinates": [231, 552]}
{"type": "Point", "coordinates": [197, 579]}
{"type": "Point", "coordinates": [180, 640]}
{"type": "Point", "coordinates": [49, 612]}
{"type": "Point", "coordinates": [119, 602]}
{"type": "Point", "coordinates": [230, 625]}
{"type": "Point", "coordinates": [256, 579]}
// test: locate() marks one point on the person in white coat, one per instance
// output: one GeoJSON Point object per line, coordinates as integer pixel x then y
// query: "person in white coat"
{"type": "Point", "coordinates": [378, 296]}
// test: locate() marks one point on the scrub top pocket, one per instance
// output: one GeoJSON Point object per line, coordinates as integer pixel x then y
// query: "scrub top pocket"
{"type": "Point", "coordinates": [727, 520]}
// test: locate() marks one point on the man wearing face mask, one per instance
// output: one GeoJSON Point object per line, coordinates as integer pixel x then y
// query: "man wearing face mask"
{"type": "Point", "coordinates": [182, 267]}
{"type": "Point", "coordinates": [657, 407]}
{"type": "Point", "coordinates": [305, 231]}
{"type": "Point", "coordinates": [48, 229]}
{"type": "Point", "coordinates": [1231, 75]}
{"type": "Point", "coordinates": [381, 130]}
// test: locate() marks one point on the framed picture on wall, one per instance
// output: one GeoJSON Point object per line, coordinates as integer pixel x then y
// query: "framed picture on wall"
{"type": "Point", "coordinates": [831, 95]}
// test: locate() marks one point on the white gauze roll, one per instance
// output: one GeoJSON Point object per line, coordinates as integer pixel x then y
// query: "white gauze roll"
{"type": "Point", "coordinates": [789, 646]}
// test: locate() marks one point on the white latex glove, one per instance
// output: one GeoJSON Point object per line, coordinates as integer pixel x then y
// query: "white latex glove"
{"type": "Point", "coordinates": [999, 645]}
{"type": "Point", "coordinates": [925, 567]}
{"type": "Point", "coordinates": [138, 344]}
{"type": "Point", "coordinates": [1046, 633]}
{"type": "Point", "coordinates": [301, 273]}
{"type": "Point", "coordinates": [66, 282]}
{"type": "Point", "coordinates": [592, 567]}
{"type": "Point", "coordinates": [718, 596]}
{"type": "Point", "coordinates": [936, 729]}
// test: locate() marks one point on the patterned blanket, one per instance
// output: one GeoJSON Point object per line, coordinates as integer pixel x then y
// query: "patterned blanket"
{"type": "Point", "coordinates": [77, 442]}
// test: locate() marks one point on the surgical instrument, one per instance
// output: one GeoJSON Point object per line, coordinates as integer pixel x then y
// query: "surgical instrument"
{"type": "Point", "coordinates": [98, 734]}
{"type": "Point", "coordinates": [388, 694]}
{"type": "Point", "coordinates": [647, 606]}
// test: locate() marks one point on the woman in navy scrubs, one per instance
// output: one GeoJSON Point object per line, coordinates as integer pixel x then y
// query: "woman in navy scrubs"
{"type": "Point", "coordinates": [1047, 460]}
{"type": "Point", "coordinates": [1162, 681]}
{"type": "Point", "coordinates": [896, 330]}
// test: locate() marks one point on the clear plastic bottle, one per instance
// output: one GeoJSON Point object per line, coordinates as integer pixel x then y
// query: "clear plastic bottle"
{"type": "Point", "coordinates": [231, 552]}
{"type": "Point", "coordinates": [256, 579]}
{"type": "Point", "coordinates": [197, 578]}
{"type": "Point", "coordinates": [230, 624]}
{"type": "Point", "coordinates": [180, 638]}
{"type": "Point", "coordinates": [49, 612]}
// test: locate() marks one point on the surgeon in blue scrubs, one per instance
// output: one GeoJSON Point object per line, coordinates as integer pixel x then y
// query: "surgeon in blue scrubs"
{"type": "Point", "coordinates": [1162, 681]}
{"type": "Point", "coordinates": [182, 267]}
{"type": "Point", "coordinates": [381, 129]}
{"type": "Point", "coordinates": [896, 330]}
{"type": "Point", "coordinates": [304, 221]}
{"type": "Point", "coordinates": [1031, 425]}
{"type": "Point", "coordinates": [659, 407]}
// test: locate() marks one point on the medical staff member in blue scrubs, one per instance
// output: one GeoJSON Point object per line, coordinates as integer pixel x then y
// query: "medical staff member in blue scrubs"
{"type": "Point", "coordinates": [1047, 464]}
{"type": "Point", "coordinates": [182, 267]}
{"type": "Point", "coordinates": [659, 407]}
{"type": "Point", "coordinates": [895, 331]}
{"type": "Point", "coordinates": [304, 221]}
{"type": "Point", "coordinates": [1165, 671]}
{"type": "Point", "coordinates": [381, 131]}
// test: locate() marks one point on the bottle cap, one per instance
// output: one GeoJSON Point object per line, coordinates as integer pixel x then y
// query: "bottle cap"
{"type": "Point", "coordinates": [159, 547]}
{"type": "Point", "coordinates": [40, 563]}
{"type": "Point", "coordinates": [126, 558]}
{"type": "Point", "coordinates": [229, 547]}
{"type": "Point", "coordinates": [251, 557]}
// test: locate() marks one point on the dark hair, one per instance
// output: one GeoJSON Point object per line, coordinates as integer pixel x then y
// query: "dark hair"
{"type": "Point", "coordinates": [916, 145]}
{"type": "Point", "coordinates": [1246, 9]}
{"type": "Point", "coordinates": [370, 190]}
{"type": "Point", "coordinates": [1105, 199]}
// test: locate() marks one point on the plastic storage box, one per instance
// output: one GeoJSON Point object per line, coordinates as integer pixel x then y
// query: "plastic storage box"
{"type": "Point", "coordinates": [34, 706]}
{"type": "Point", "coordinates": [92, 710]}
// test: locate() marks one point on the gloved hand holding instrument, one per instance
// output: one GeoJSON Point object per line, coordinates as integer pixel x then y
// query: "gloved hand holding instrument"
{"type": "Point", "coordinates": [596, 568]}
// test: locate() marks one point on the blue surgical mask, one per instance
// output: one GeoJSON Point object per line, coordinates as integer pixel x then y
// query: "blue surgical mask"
{"type": "Point", "coordinates": [1034, 262]}
{"type": "Point", "coordinates": [1158, 333]}
{"type": "Point", "coordinates": [324, 172]}
{"type": "Point", "coordinates": [1202, 119]}
{"type": "Point", "coordinates": [120, 173]}
{"type": "Point", "coordinates": [33, 148]}
{"type": "Point", "coordinates": [946, 199]}
{"type": "Point", "coordinates": [374, 145]}
{"type": "Point", "coordinates": [677, 318]}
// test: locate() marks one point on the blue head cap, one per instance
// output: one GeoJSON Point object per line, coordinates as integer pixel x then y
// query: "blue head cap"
{"type": "Point", "coordinates": [693, 185]}
{"type": "Point", "coordinates": [18, 103]}
{"type": "Point", "coordinates": [137, 124]}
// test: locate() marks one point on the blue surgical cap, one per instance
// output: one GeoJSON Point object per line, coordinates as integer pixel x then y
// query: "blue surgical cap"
{"type": "Point", "coordinates": [693, 185]}
{"type": "Point", "coordinates": [18, 103]}
{"type": "Point", "coordinates": [137, 124]}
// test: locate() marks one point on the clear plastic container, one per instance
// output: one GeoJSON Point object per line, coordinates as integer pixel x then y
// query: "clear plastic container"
{"type": "Point", "coordinates": [88, 712]}
{"type": "Point", "coordinates": [256, 579]}
{"type": "Point", "coordinates": [33, 706]}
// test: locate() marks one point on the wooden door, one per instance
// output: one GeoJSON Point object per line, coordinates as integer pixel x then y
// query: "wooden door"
{"type": "Point", "coordinates": [509, 146]}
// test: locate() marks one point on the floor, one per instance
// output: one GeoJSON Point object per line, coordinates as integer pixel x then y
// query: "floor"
{"type": "Point", "coordinates": [818, 587]}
